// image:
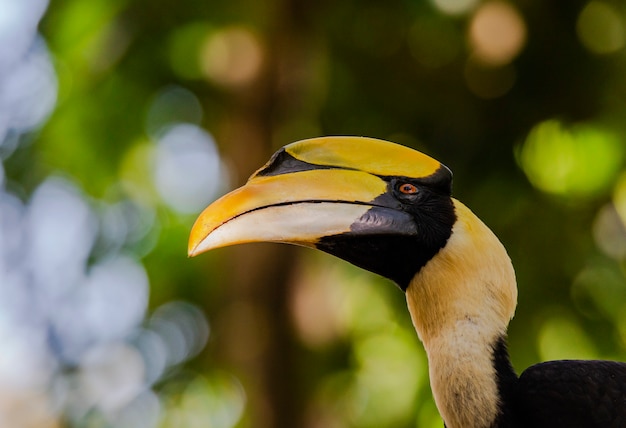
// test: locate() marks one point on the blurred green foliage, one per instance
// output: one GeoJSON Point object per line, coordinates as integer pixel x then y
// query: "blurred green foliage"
{"type": "Point", "coordinates": [530, 115]}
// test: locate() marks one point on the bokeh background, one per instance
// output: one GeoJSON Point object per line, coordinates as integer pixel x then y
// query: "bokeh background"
{"type": "Point", "coordinates": [121, 119]}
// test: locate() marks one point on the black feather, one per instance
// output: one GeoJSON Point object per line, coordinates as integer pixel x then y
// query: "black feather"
{"type": "Point", "coordinates": [566, 393]}
{"type": "Point", "coordinates": [573, 394]}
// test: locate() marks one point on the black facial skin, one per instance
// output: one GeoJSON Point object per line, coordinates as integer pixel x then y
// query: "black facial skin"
{"type": "Point", "coordinates": [401, 232]}
{"type": "Point", "coordinates": [282, 162]}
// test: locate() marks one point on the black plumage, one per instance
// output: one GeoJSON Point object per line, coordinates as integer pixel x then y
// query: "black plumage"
{"type": "Point", "coordinates": [564, 393]}
{"type": "Point", "coordinates": [573, 394]}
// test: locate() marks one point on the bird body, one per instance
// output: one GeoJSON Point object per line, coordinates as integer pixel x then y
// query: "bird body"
{"type": "Point", "coordinates": [388, 209]}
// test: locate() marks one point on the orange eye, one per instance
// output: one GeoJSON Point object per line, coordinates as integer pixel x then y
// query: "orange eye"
{"type": "Point", "coordinates": [408, 189]}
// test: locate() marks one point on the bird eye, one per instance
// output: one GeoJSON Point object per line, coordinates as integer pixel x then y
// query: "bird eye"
{"type": "Point", "coordinates": [408, 188]}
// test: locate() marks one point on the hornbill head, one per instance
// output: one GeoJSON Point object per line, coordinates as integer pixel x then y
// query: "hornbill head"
{"type": "Point", "coordinates": [381, 206]}
{"type": "Point", "coordinates": [388, 209]}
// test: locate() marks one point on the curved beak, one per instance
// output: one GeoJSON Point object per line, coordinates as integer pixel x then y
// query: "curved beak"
{"type": "Point", "coordinates": [295, 207]}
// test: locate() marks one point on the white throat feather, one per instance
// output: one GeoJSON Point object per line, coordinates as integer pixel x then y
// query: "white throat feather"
{"type": "Point", "coordinates": [461, 302]}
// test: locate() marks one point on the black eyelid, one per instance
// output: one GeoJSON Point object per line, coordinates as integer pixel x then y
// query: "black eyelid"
{"type": "Point", "coordinates": [283, 163]}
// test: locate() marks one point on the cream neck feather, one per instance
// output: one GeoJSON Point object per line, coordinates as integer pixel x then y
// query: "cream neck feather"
{"type": "Point", "coordinates": [461, 302]}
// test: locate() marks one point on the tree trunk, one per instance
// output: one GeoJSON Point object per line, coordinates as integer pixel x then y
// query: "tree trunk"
{"type": "Point", "coordinates": [255, 328]}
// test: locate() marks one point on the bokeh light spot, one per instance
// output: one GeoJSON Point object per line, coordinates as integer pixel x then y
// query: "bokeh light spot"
{"type": "Point", "coordinates": [581, 161]}
{"type": "Point", "coordinates": [216, 401]}
{"type": "Point", "coordinates": [111, 376]}
{"type": "Point", "coordinates": [11, 234]}
{"type": "Point", "coordinates": [136, 173]}
{"type": "Point", "coordinates": [497, 33]}
{"type": "Point", "coordinates": [28, 92]}
{"type": "Point", "coordinates": [621, 326]}
{"type": "Point", "coordinates": [232, 56]}
{"type": "Point", "coordinates": [619, 197]}
{"type": "Point", "coordinates": [561, 337]}
{"type": "Point", "coordinates": [172, 105]}
{"type": "Point", "coordinates": [315, 305]}
{"type": "Point", "coordinates": [185, 46]}
{"type": "Point", "coordinates": [154, 351]}
{"type": "Point", "coordinates": [18, 27]}
{"type": "Point", "coordinates": [600, 291]}
{"type": "Point", "coordinates": [83, 317]}
{"type": "Point", "coordinates": [142, 412]}
{"type": "Point", "coordinates": [455, 7]}
{"type": "Point", "coordinates": [126, 224]}
{"type": "Point", "coordinates": [187, 171]}
{"type": "Point", "coordinates": [381, 388]}
{"type": "Point", "coordinates": [600, 28]}
{"type": "Point", "coordinates": [183, 329]}
{"type": "Point", "coordinates": [609, 232]}
{"type": "Point", "coordinates": [121, 283]}
{"type": "Point", "coordinates": [387, 378]}
{"type": "Point", "coordinates": [59, 218]}
{"type": "Point", "coordinates": [25, 362]}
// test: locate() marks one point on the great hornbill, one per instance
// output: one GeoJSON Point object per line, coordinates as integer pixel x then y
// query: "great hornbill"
{"type": "Point", "coordinates": [388, 209]}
